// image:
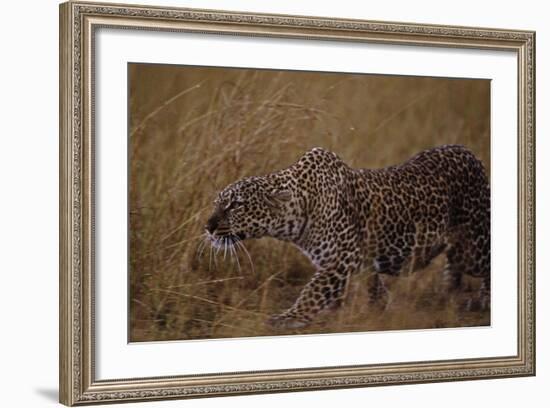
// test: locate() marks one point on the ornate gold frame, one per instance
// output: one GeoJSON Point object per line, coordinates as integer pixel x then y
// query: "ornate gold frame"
{"type": "Point", "coordinates": [77, 24]}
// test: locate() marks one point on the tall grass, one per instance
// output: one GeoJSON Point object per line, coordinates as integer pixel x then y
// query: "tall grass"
{"type": "Point", "coordinates": [194, 130]}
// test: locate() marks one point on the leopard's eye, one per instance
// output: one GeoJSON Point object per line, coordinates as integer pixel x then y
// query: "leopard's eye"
{"type": "Point", "coordinates": [234, 205]}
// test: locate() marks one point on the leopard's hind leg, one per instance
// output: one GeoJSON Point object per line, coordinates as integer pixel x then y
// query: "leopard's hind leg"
{"type": "Point", "coordinates": [385, 264]}
{"type": "Point", "coordinates": [469, 253]}
{"type": "Point", "coordinates": [379, 295]}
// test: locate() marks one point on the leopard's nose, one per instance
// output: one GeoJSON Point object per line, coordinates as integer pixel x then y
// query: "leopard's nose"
{"type": "Point", "coordinates": [212, 224]}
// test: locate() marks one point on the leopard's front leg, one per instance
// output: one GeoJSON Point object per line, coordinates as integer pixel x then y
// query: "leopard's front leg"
{"type": "Point", "coordinates": [324, 291]}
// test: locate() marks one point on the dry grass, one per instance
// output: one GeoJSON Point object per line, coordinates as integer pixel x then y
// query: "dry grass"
{"type": "Point", "coordinates": [195, 130]}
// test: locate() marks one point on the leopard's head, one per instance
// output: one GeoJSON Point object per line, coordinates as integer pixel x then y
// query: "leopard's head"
{"type": "Point", "coordinates": [249, 208]}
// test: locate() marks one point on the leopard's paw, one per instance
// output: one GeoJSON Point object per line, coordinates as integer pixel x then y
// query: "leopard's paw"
{"type": "Point", "coordinates": [286, 321]}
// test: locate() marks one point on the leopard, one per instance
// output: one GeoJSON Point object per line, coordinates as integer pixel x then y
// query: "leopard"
{"type": "Point", "coordinates": [344, 219]}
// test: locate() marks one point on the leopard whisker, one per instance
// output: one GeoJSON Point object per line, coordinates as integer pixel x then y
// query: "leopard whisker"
{"type": "Point", "coordinates": [210, 258]}
{"type": "Point", "coordinates": [231, 255]}
{"type": "Point", "coordinates": [241, 245]}
{"type": "Point", "coordinates": [216, 252]}
{"type": "Point", "coordinates": [234, 249]}
{"type": "Point", "coordinates": [201, 246]}
{"type": "Point", "coordinates": [228, 246]}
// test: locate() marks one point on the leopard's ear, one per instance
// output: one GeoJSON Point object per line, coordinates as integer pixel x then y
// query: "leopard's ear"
{"type": "Point", "coordinates": [277, 197]}
{"type": "Point", "coordinates": [281, 195]}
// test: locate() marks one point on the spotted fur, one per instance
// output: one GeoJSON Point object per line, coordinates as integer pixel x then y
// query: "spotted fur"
{"type": "Point", "coordinates": [391, 219]}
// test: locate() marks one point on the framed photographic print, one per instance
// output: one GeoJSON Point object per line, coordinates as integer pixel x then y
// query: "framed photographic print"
{"type": "Point", "coordinates": [258, 203]}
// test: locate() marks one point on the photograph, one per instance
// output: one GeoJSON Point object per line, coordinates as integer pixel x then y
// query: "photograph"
{"type": "Point", "coordinates": [267, 202]}
{"type": "Point", "coordinates": [277, 204]}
